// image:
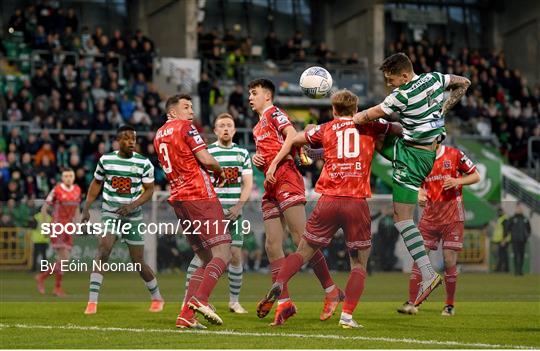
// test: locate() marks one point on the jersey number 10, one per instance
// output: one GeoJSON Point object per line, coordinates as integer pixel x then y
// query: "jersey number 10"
{"type": "Point", "coordinates": [344, 145]}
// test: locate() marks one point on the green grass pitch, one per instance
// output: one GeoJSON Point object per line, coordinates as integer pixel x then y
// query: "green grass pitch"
{"type": "Point", "coordinates": [492, 311]}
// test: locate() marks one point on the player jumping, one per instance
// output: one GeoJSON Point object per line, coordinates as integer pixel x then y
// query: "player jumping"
{"type": "Point", "coordinates": [184, 157]}
{"type": "Point", "coordinates": [65, 199]}
{"type": "Point", "coordinates": [284, 199]}
{"type": "Point", "coordinates": [418, 101]}
{"type": "Point", "coordinates": [344, 187]}
{"type": "Point", "coordinates": [128, 182]}
{"type": "Point", "coordinates": [236, 164]}
{"type": "Point", "coordinates": [443, 218]}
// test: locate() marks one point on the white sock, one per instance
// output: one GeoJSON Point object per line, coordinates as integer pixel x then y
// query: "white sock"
{"type": "Point", "coordinates": [330, 288]}
{"type": "Point", "coordinates": [346, 316]}
{"type": "Point", "coordinates": [235, 282]}
{"type": "Point", "coordinates": [154, 289]}
{"type": "Point", "coordinates": [96, 279]}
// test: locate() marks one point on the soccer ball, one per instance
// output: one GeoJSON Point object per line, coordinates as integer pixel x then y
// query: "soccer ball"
{"type": "Point", "coordinates": [316, 82]}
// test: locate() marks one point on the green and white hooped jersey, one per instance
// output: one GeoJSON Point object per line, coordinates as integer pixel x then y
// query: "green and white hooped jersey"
{"type": "Point", "coordinates": [235, 162]}
{"type": "Point", "coordinates": [123, 178]}
{"type": "Point", "coordinates": [419, 105]}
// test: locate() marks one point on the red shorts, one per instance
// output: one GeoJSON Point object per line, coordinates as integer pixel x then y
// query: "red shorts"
{"type": "Point", "coordinates": [451, 235]}
{"type": "Point", "coordinates": [62, 241]}
{"type": "Point", "coordinates": [287, 191]}
{"type": "Point", "coordinates": [203, 223]}
{"type": "Point", "coordinates": [334, 212]}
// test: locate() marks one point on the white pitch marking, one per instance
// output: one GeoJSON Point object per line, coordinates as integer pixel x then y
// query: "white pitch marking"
{"type": "Point", "coordinates": [281, 335]}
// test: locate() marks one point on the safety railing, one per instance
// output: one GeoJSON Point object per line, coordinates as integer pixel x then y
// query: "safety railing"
{"type": "Point", "coordinates": [15, 247]}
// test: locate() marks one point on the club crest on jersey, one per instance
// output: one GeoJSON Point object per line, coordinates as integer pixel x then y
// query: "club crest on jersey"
{"type": "Point", "coordinates": [239, 158]}
{"type": "Point", "coordinates": [447, 164]}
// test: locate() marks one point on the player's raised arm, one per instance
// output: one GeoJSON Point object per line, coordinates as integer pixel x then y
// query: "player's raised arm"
{"type": "Point", "coordinates": [458, 86]}
{"type": "Point", "coordinates": [369, 115]}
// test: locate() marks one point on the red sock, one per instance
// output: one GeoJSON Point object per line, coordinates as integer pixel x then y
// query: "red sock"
{"type": "Point", "coordinates": [58, 281]}
{"type": "Point", "coordinates": [320, 268]}
{"type": "Point", "coordinates": [290, 267]}
{"type": "Point", "coordinates": [354, 289]}
{"type": "Point", "coordinates": [58, 275]}
{"type": "Point", "coordinates": [450, 279]}
{"type": "Point", "coordinates": [214, 269]}
{"type": "Point", "coordinates": [414, 280]}
{"type": "Point", "coordinates": [45, 274]}
{"type": "Point", "coordinates": [194, 283]}
{"type": "Point", "coordinates": [275, 267]}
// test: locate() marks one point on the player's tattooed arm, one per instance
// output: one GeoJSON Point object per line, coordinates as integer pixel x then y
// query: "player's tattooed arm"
{"type": "Point", "coordinates": [93, 192]}
{"type": "Point", "coordinates": [458, 86]}
{"type": "Point", "coordinates": [369, 115]}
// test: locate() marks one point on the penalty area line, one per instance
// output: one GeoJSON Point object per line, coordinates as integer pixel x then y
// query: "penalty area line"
{"type": "Point", "coordinates": [280, 335]}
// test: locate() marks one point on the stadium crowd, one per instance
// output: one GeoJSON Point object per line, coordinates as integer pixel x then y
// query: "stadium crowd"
{"type": "Point", "coordinates": [499, 102]}
{"type": "Point", "coordinates": [111, 84]}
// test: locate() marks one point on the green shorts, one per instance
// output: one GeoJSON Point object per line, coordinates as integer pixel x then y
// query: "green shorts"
{"type": "Point", "coordinates": [235, 227]}
{"type": "Point", "coordinates": [250, 243]}
{"type": "Point", "coordinates": [132, 237]}
{"type": "Point", "coordinates": [411, 167]}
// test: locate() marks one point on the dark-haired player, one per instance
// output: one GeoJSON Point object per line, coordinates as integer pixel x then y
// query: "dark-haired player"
{"type": "Point", "coordinates": [185, 159]}
{"type": "Point", "coordinates": [128, 182]}
{"type": "Point", "coordinates": [418, 101]}
{"type": "Point", "coordinates": [284, 198]}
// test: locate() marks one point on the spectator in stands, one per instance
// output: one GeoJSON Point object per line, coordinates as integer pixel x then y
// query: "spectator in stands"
{"type": "Point", "coordinates": [204, 88]}
{"type": "Point", "coordinates": [235, 60]}
{"type": "Point", "coordinates": [518, 147]}
{"type": "Point", "coordinates": [236, 98]}
{"type": "Point", "coordinates": [272, 46]}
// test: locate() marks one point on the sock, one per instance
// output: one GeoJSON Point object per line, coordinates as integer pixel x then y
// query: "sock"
{"type": "Point", "coordinates": [46, 274]}
{"type": "Point", "coordinates": [275, 267]}
{"type": "Point", "coordinates": [291, 265]}
{"type": "Point", "coordinates": [194, 283]}
{"type": "Point", "coordinates": [415, 244]}
{"type": "Point", "coordinates": [354, 289]}
{"type": "Point", "coordinates": [330, 289]}
{"type": "Point", "coordinates": [320, 268]}
{"type": "Point", "coordinates": [214, 269]}
{"type": "Point", "coordinates": [58, 274]}
{"type": "Point", "coordinates": [414, 280]}
{"type": "Point", "coordinates": [96, 279]}
{"type": "Point", "coordinates": [235, 282]}
{"type": "Point", "coordinates": [154, 289]}
{"type": "Point", "coordinates": [193, 265]}
{"type": "Point", "coordinates": [346, 316]}
{"type": "Point", "coordinates": [58, 281]}
{"type": "Point", "coordinates": [450, 280]}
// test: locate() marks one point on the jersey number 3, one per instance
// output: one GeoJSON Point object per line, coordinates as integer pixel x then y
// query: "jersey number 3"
{"type": "Point", "coordinates": [167, 168]}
